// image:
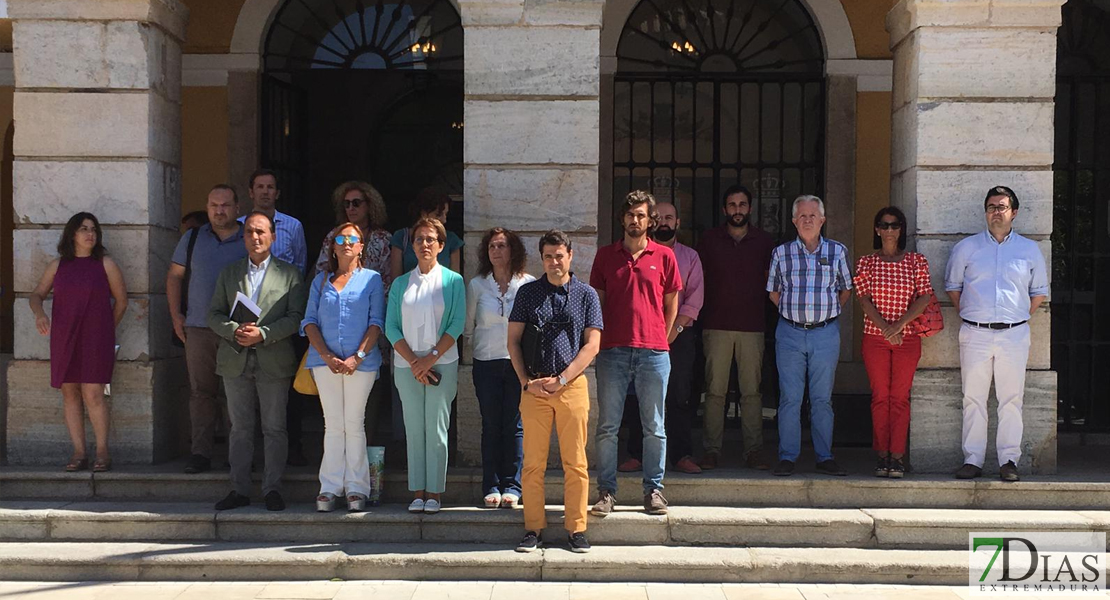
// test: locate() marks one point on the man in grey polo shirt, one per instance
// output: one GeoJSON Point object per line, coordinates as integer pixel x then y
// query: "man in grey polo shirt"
{"type": "Point", "coordinates": [214, 246]}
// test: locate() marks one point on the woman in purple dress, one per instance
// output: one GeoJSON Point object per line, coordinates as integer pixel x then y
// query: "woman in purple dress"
{"type": "Point", "coordinates": [82, 330]}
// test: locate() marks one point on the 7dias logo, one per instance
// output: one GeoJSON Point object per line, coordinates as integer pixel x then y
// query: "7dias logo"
{"type": "Point", "coordinates": [1037, 563]}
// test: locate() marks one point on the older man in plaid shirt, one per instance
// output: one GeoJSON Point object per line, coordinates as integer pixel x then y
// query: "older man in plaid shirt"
{"type": "Point", "coordinates": [810, 279]}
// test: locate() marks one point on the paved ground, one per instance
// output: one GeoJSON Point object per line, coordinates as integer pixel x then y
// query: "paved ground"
{"type": "Point", "coordinates": [403, 590]}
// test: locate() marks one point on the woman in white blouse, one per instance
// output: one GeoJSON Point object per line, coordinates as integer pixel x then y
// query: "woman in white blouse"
{"type": "Point", "coordinates": [427, 311]}
{"type": "Point", "coordinates": [501, 259]}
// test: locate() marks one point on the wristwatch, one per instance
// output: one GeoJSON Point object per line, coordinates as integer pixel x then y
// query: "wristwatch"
{"type": "Point", "coordinates": [361, 355]}
{"type": "Point", "coordinates": [679, 328]}
{"type": "Point", "coordinates": [435, 352]}
{"type": "Point", "coordinates": [562, 380]}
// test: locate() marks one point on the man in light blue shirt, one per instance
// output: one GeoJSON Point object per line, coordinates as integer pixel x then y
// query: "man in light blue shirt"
{"type": "Point", "coordinates": [289, 244]}
{"type": "Point", "coordinates": [996, 279]}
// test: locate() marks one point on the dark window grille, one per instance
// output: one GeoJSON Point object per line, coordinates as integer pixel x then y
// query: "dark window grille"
{"type": "Point", "coordinates": [1081, 232]}
{"type": "Point", "coordinates": [708, 94]}
{"type": "Point", "coordinates": [352, 34]}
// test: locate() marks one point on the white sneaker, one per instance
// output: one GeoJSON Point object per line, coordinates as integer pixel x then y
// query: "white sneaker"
{"type": "Point", "coordinates": [431, 506]}
{"type": "Point", "coordinates": [417, 506]}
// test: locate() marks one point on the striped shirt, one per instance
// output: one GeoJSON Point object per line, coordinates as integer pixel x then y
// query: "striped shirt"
{"type": "Point", "coordinates": [289, 244]}
{"type": "Point", "coordinates": [809, 281]}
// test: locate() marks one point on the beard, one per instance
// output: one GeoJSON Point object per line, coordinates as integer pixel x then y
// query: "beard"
{"type": "Point", "coordinates": [739, 219]}
{"type": "Point", "coordinates": [664, 234]}
{"type": "Point", "coordinates": [635, 234]}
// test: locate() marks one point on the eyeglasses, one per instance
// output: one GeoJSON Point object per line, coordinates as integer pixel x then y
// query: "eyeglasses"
{"type": "Point", "coordinates": [354, 203]}
{"type": "Point", "coordinates": [347, 239]}
{"type": "Point", "coordinates": [888, 225]}
{"type": "Point", "coordinates": [500, 306]}
{"type": "Point", "coordinates": [997, 208]}
{"type": "Point", "coordinates": [421, 241]}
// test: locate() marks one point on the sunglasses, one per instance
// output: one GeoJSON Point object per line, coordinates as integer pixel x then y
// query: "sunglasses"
{"type": "Point", "coordinates": [887, 225]}
{"type": "Point", "coordinates": [347, 239]}
{"type": "Point", "coordinates": [355, 203]}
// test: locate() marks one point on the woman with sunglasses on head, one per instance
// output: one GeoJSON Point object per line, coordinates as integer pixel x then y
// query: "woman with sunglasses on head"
{"type": "Point", "coordinates": [489, 301]}
{"type": "Point", "coordinates": [343, 319]}
{"type": "Point", "coordinates": [360, 203]}
{"type": "Point", "coordinates": [427, 311]}
{"type": "Point", "coordinates": [893, 289]}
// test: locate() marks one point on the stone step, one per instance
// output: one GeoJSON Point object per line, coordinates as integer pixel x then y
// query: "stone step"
{"type": "Point", "coordinates": [226, 561]}
{"type": "Point", "coordinates": [721, 487]}
{"type": "Point", "coordinates": [883, 528]}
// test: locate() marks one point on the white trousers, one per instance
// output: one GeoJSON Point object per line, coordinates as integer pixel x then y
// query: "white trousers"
{"type": "Point", "coordinates": [344, 468]}
{"type": "Point", "coordinates": [1001, 354]}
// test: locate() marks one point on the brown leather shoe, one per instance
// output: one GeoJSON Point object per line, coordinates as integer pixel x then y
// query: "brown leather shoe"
{"type": "Point", "coordinates": [756, 460]}
{"type": "Point", "coordinates": [655, 503]}
{"type": "Point", "coordinates": [968, 471]}
{"type": "Point", "coordinates": [709, 461]}
{"type": "Point", "coordinates": [605, 504]}
{"type": "Point", "coordinates": [1008, 472]}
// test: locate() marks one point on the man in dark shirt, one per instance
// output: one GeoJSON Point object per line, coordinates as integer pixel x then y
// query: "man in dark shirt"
{"type": "Point", "coordinates": [565, 316]}
{"type": "Point", "coordinates": [734, 258]}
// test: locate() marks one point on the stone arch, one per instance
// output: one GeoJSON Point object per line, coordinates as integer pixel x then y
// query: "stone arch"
{"type": "Point", "coordinates": [832, 23]}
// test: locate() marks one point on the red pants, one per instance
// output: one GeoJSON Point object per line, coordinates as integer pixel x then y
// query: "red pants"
{"type": "Point", "coordinates": [890, 369]}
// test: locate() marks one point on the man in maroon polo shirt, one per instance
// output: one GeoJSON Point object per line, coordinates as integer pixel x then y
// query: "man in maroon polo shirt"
{"type": "Point", "coordinates": [734, 258]}
{"type": "Point", "coordinates": [637, 281]}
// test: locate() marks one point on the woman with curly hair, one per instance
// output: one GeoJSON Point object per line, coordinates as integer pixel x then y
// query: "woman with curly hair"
{"type": "Point", "coordinates": [360, 203]}
{"type": "Point", "coordinates": [489, 302]}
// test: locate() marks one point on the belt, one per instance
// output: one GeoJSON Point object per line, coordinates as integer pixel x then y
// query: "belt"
{"type": "Point", "coordinates": [811, 325]}
{"type": "Point", "coordinates": [994, 325]}
{"type": "Point", "coordinates": [544, 375]}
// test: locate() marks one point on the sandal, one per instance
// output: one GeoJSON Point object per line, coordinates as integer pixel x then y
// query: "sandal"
{"type": "Point", "coordinates": [492, 500]}
{"type": "Point", "coordinates": [325, 502]}
{"type": "Point", "coordinates": [509, 500]}
{"type": "Point", "coordinates": [102, 465]}
{"type": "Point", "coordinates": [356, 502]}
{"type": "Point", "coordinates": [77, 464]}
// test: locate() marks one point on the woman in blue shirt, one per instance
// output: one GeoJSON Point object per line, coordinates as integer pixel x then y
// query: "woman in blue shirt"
{"type": "Point", "coordinates": [343, 319]}
{"type": "Point", "coordinates": [427, 310]}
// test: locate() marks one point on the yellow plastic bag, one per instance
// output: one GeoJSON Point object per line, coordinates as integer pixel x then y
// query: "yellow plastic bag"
{"type": "Point", "coordinates": [304, 382]}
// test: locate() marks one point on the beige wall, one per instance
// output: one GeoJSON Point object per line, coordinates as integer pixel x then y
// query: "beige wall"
{"type": "Point", "coordinates": [868, 19]}
{"type": "Point", "coordinates": [211, 25]}
{"type": "Point", "coordinates": [204, 126]}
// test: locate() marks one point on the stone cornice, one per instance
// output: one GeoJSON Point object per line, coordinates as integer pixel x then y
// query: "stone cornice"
{"type": "Point", "coordinates": [170, 15]}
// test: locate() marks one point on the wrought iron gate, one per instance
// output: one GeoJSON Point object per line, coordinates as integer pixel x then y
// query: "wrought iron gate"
{"type": "Point", "coordinates": [708, 95]}
{"type": "Point", "coordinates": [1081, 231]}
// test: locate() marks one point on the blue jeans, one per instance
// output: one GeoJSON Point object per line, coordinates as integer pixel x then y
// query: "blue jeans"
{"type": "Point", "coordinates": [806, 355]}
{"type": "Point", "coordinates": [498, 392]}
{"type": "Point", "coordinates": [649, 370]}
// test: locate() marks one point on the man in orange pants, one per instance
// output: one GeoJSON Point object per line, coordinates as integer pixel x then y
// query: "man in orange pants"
{"type": "Point", "coordinates": [554, 334]}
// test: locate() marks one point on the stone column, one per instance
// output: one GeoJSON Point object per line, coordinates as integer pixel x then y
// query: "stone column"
{"type": "Point", "coordinates": [98, 102]}
{"type": "Point", "coordinates": [531, 141]}
{"type": "Point", "coordinates": [973, 107]}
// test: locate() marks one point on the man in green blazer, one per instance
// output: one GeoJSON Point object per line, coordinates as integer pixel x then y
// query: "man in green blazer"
{"type": "Point", "coordinates": [256, 358]}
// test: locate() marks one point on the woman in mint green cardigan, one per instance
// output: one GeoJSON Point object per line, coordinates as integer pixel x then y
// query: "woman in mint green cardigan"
{"type": "Point", "coordinates": [426, 314]}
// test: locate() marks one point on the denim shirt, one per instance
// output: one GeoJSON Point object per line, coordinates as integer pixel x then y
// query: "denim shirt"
{"type": "Point", "coordinates": [344, 316]}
